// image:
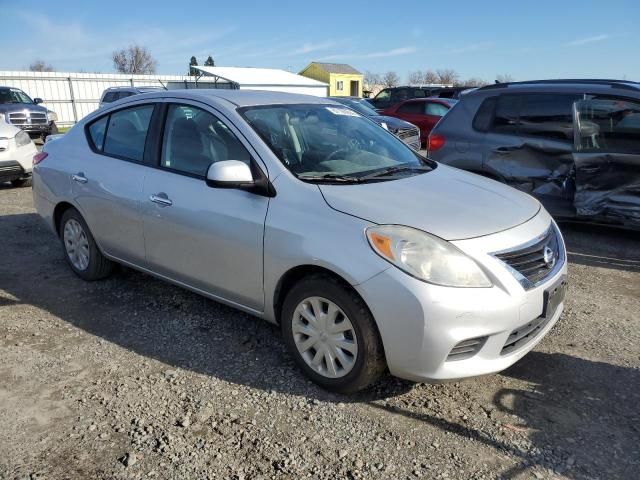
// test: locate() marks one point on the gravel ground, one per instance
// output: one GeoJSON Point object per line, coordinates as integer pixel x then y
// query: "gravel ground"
{"type": "Point", "coordinates": [134, 378]}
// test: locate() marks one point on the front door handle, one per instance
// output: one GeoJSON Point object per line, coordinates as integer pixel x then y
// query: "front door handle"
{"type": "Point", "coordinates": [79, 177]}
{"type": "Point", "coordinates": [161, 199]}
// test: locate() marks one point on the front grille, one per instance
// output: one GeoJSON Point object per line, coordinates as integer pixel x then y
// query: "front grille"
{"type": "Point", "coordinates": [524, 334]}
{"type": "Point", "coordinates": [406, 133]}
{"type": "Point", "coordinates": [10, 169]}
{"type": "Point", "coordinates": [466, 349]}
{"type": "Point", "coordinates": [534, 262]}
{"type": "Point", "coordinates": [28, 118]}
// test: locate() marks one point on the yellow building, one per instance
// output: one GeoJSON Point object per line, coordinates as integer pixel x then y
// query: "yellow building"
{"type": "Point", "coordinates": [343, 79]}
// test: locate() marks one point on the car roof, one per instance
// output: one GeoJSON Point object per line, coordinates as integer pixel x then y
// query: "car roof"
{"type": "Point", "coordinates": [239, 98]}
{"type": "Point", "coordinates": [562, 85]}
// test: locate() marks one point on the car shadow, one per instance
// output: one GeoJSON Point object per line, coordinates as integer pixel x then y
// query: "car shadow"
{"type": "Point", "coordinates": [577, 414]}
{"type": "Point", "coordinates": [590, 245]}
{"type": "Point", "coordinates": [156, 319]}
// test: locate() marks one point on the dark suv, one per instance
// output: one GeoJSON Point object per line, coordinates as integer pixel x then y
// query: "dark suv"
{"type": "Point", "coordinates": [20, 110]}
{"type": "Point", "coordinates": [393, 95]}
{"type": "Point", "coordinates": [573, 144]}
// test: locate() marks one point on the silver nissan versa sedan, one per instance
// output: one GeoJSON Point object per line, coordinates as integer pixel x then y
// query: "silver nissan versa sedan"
{"type": "Point", "coordinates": [298, 210]}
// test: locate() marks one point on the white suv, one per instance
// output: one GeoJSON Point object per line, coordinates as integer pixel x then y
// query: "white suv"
{"type": "Point", "coordinates": [112, 94]}
{"type": "Point", "coordinates": [16, 155]}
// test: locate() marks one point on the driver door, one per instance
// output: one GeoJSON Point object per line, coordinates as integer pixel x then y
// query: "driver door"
{"type": "Point", "coordinates": [209, 239]}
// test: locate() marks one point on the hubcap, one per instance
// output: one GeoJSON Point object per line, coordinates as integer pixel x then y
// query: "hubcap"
{"type": "Point", "coordinates": [325, 337]}
{"type": "Point", "coordinates": [76, 244]}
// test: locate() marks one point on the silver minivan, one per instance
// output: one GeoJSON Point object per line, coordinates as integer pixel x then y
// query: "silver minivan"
{"type": "Point", "coordinates": [300, 211]}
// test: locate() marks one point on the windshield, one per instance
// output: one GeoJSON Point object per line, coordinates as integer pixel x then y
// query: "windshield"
{"type": "Point", "coordinates": [13, 95]}
{"type": "Point", "coordinates": [331, 142]}
{"type": "Point", "coordinates": [361, 106]}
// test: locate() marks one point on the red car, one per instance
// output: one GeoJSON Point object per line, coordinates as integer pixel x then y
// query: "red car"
{"type": "Point", "coordinates": [422, 112]}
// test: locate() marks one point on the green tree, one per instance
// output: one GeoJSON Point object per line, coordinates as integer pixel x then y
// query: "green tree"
{"type": "Point", "coordinates": [209, 62]}
{"type": "Point", "coordinates": [192, 63]}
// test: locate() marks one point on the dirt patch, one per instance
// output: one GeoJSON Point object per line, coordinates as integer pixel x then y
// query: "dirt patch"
{"type": "Point", "coordinates": [135, 378]}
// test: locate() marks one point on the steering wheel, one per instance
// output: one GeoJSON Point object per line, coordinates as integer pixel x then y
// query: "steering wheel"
{"type": "Point", "coordinates": [334, 154]}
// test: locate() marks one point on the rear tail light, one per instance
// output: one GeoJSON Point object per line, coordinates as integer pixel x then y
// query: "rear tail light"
{"type": "Point", "coordinates": [38, 157]}
{"type": "Point", "coordinates": [435, 142]}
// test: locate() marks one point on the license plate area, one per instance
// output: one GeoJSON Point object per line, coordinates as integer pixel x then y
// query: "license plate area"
{"type": "Point", "coordinates": [553, 297]}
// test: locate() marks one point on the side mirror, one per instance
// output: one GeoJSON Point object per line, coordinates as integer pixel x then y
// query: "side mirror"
{"type": "Point", "coordinates": [229, 174]}
{"type": "Point", "coordinates": [37, 100]}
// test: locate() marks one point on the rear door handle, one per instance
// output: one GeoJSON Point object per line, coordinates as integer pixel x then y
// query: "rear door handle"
{"type": "Point", "coordinates": [79, 177]}
{"type": "Point", "coordinates": [161, 199]}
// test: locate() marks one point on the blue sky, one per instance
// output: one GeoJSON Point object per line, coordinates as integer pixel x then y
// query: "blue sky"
{"type": "Point", "coordinates": [543, 39]}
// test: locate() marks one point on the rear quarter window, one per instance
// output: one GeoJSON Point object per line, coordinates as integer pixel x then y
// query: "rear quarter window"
{"type": "Point", "coordinates": [96, 132]}
{"type": "Point", "coordinates": [484, 116]}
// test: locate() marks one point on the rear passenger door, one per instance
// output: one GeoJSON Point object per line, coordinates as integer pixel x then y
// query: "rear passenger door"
{"type": "Point", "coordinates": [206, 238]}
{"type": "Point", "coordinates": [529, 145]}
{"type": "Point", "coordinates": [607, 159]}
{"type": "Point", "coordinates": [107, 182]}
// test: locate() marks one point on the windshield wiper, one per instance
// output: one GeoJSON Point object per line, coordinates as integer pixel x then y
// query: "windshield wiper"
{"type": "Point", "coordinates": [385, 172]}
{"type": "Point", "coordinates": [330, 177]}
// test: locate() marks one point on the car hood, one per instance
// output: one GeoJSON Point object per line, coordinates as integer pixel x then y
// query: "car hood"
{"type": "Point", "coordinates": [19, 107]}
{"type": "Point", "coordinates": [392, 123]}
{"type": "Point", "coordinates": [446, 202]}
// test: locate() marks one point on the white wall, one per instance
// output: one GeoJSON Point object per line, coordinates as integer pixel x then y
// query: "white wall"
{"type": "Point", "coordinates": [74, 95]}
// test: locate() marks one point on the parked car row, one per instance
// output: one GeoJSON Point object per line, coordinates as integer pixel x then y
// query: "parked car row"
{"type": "Point", "coordinates": [405, 131]}
{"type": "Point", "coordinates": [573, 144]}
{"type": "Point", "coordinates": [388, 97]}
{"type": "Point", "coordinates": [298, 210]}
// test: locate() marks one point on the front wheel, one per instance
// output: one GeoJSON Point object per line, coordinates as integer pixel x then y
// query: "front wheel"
{"type": "Point", "coordinates": [332, 335]}
{"type": "Point", "coordinates": [80, 248]}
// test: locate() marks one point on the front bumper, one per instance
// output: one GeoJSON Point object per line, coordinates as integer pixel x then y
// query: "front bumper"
{"type": "Point", "coordinates": [421, 324]}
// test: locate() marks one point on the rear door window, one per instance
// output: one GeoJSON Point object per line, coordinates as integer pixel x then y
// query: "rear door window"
{"type": "Point", "coordinates": [109, 97]}
{"type": "Point", "coordinates": [436, 109]}
{"type": "Point", "coordinates": [505, 119]}
{"type": "Point", "coordinates": [127, 132]}
{"type": "Point", "coordinates": [541, 115]}
{"type": "Point", "coordinates": [411, 107]}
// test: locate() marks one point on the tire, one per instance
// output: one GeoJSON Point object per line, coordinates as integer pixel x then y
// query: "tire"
{"type": "Point", "coordinates": [21, 182]}
{"type": "Point", "coordinates": [54, 129]}
{"type": "Point", "coordinates": [90, 266]}
{"type": "Point", "coordinates": [360, 369]}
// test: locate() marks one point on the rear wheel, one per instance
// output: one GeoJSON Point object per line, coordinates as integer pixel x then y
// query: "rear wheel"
{"type": "Point", "coordinates": [332, 335]}
{"type": "Point", "coordinates": [80, 249]}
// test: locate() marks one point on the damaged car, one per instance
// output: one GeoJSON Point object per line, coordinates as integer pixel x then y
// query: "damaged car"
{"type": "Point", "coordinates": [573, 144]}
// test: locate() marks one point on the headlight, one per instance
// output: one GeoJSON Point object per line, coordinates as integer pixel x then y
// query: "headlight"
{"type": "Point", "coordinates": [53, 116]}
{"type": "Point", "coordinates": [3, 118]}
{"type": "Point", "coordinates": [22, 139]}
{"type": "Point", "coordinates": [426, 257]}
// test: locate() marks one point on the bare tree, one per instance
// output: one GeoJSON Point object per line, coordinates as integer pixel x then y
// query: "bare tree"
{"type": "Point", "coordinates": [390, 79]}
{"type": "Point", "coordinates": [447, 76]}
{"type": "Point", "coordinates": [371, 79]}
{"type": "Point", "coordinates": [135, 59]}
{"type": "Point", "coordinates": [504, 78]}
{"type": "Point", "coordinates": [473, 82]}
{"type": "Point", "coordinates": [416, 78]}
{"type": "Point", "coordinates": [430, 77]}
{"type": "Point", "coordinates": [41, 66]}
